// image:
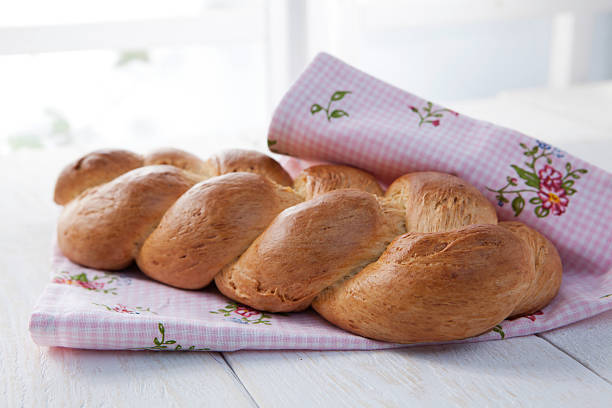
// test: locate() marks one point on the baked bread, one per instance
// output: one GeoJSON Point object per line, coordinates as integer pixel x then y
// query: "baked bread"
{"type": "Point", "coordinates": [425, 261]}
{"type": "Point", "coordinates": [93, 169]}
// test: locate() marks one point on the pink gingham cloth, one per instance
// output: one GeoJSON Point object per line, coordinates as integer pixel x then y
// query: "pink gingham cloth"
{"type": "Point", "coordinates": [336, 113]}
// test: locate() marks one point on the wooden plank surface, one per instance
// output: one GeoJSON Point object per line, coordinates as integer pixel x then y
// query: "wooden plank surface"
{"type": "Point", "coordinates": [33, 376]}
{"type": "Point", "coordinates": [589, 342]}
{"type": "Point", "coordinates": [525, 371]}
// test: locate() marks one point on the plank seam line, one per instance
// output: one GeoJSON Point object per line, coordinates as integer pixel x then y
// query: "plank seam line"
{"type": "Point", "coordinates": [229, 365]}
{"type": "Point", "coordinates": [585, 365]}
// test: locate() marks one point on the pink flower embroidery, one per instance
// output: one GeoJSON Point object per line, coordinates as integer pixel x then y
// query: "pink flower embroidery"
{"type": "Point", "coordinates": [548, 189]}
{"type": "Point", "coordinates": [245, 311]}
{"type": "Point", "coordinates": [553, 198]}
{"type": "Point", "coordinates": [533, 316]}
{"type": "Point", "coordinates": [59, 280]}
{"type": "Point", "coordinates": [123, 309]}
{"type": "Point", "coordinates": [435, 122]}
{"type": "Point", "coordinates": [91, 285]}
{"type": "Point", "coordinates": [550, 177]}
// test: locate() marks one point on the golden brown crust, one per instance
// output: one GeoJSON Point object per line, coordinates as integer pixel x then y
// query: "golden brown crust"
{"type": "Point", "coordinates": [178, 158]}
{"type": "Point", "coordinates": [547, 269]}
{"type": "Point", "coordinates": [238, 160]}
{"type": "Point", "coordinates": [104, 227]}
{"type": "Point", "coordinates": [307, 248]}
{"type": "Point", "coordinates": [433, 286]}
{"type": "Point", "coordinates": [211, 225]}
{"type": "Point", "coordinates": [93, 169]}
{"type": "Point", "coordinates": [437, 202]}
{"type": "Point", "coordinates": [324, 178]}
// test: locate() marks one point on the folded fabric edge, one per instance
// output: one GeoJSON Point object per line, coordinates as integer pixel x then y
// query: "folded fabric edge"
{"type": "Point", "coordinates": [47, 329]}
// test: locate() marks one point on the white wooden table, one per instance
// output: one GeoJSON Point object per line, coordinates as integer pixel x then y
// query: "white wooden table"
{"type": "Point", "coordinates": [571, 366]}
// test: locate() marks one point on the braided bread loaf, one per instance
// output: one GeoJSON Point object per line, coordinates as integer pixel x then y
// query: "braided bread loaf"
{"type": "Point", "coordinates": [425, 261]}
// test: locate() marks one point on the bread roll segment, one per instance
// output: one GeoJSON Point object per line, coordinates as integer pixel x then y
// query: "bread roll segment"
{"type": "Point", "coordinates": [178, 158]}
{"type": "Point", "coordinates": [93, 169]}
{"type": "Point", "coordinates": [440, 202]}
{"type": "Point", "coordinates": [433, 286]}
{"type": "Point", "coordinates": [309, 247]}
{"type": "Point", "coordinates": [209, 226]}
{"type": "Point", "coordinates": [239, 160]}
{"type": "Point", "coordinates": [324, 178]}
{"type": "Point", "coordinates": [547, 269]}
{"type": "Point", "coordinates": [104, 227]}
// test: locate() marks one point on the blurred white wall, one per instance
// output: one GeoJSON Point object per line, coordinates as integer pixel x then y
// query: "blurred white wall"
{"type": "Point", "coordinates": [601, 56]}
{"type": "Point", "coordinates": [466, 49]}
{"type": "Point", "coordinates": [464, 61]}
{"type": "Point", "coordinates": [475, 60]}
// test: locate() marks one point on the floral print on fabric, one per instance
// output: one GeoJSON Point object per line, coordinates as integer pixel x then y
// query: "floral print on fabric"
{"type": "Point", "coordinates": [430, 115]}
{"type": "Point", "coordinates": [539, 182]}
{"type": "Point", "coordinates": [120, 308]}
{"type": "Point", "coordinates": [499, 330]}
{"type": "Point", "coordinates": [104, 283]}
{"type": "Point", "coordinates": [162, 344]}
{"type": "Point", "coordinates": [329, 113]}
{"type": "Point", "coordinates": [243, 314]}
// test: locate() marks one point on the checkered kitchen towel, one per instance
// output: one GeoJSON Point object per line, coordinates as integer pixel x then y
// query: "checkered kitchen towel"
{"type": "Point", "coordinates": [337, 113]}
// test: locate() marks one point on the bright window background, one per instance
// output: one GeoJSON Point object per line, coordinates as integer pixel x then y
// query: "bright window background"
{"type": "Point", "coordinates": [191, 72]}
{"type": "Point", "coordinates": [158, 95]}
